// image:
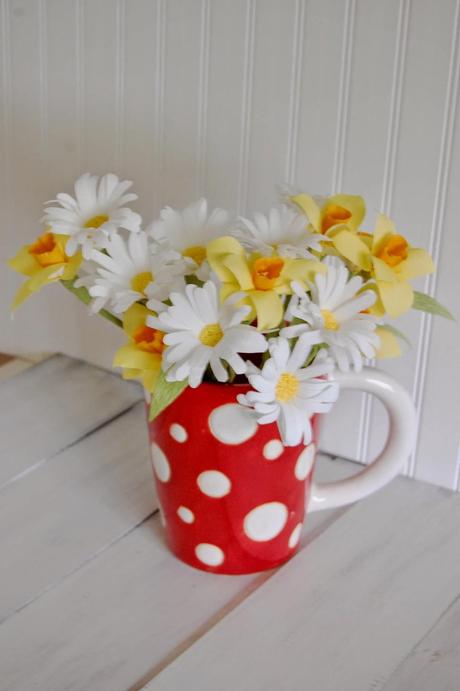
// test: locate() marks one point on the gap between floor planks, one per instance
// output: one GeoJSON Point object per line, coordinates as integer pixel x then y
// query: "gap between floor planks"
{"type": "Point", "coordinates": [216, 616]}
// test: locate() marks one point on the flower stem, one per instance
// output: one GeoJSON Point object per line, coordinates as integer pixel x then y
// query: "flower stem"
{"type": "Point", "coordinates": [83, 295]}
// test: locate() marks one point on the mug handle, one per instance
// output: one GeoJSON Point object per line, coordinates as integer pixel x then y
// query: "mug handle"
{"type": "Point", "coordinates": [398, 446]}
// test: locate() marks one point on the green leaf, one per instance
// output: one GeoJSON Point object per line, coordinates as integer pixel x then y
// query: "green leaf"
{"type": "Point", "coordinates": [396, 332]}
{"type": "Point", "coordinates": [164, 393]}
{"type": "Point", "coordinates": [426, 303]}
{"type": "Point", "coordinates": [83, 295]}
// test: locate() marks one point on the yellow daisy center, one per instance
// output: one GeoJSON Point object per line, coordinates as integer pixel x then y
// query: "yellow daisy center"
{"type": "Point", "coordinates": [96, 221]}
{"type": "Point", "coordinates": [210, 335]}
{"type": "Point", "coordinates": [149, 340]}
{"type": "Point", "coordinates": [139, 282]}
{"type": "Point", "coordinates": [329, 320]}
{"type": "Point", "coordinates": [394, 250]}
{"type": "Point", "coordinates": [266, 271]}
{"type": "Point", "coordinates": [286, 387]}
{"type": "Point", "coordinates": [47, 250]}
{"type": "Point", "coordinates": [196, 252]}
{"type": "Point", "coordinates": [332, 215]}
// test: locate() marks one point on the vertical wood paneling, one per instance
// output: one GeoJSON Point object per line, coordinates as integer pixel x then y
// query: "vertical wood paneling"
{"type": "Point", "coordinates": [438, 458]}
{"type": "Point", "coordinates": [246, 103]}
{"type": "Point", "coordinates": [344, 94]}
{"type": "Point", "coordinates": [415, 177]}
{"type": "Point", "coordinates": [270, 100]}
{"type": "Point", "coordinates": [438, 217]}
{"type": "Point", "coordinates": [227, 98]}
{"type": "Point", "coordinates": [180, 102]}
{"type": "Point", "coordinates": [319, 97]}
{"type": "Point", "coordinates": [298, 32]}
{"type": "Point", "coordinates": [224, 113]}
{"type": "Point", "coordinates": [200, 172]}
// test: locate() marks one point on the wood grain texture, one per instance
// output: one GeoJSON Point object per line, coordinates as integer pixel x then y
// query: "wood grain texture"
{"type": "Point", "coordinates": [346, 611]}
{"type": "Point", "coordinates": [86, 497]}
{"type": "Point", "coordinates": [51, 406]}
{"type": "Point", "coordinates": [125, 614]}
{"type": "Point", "coordinates": [435, 661]}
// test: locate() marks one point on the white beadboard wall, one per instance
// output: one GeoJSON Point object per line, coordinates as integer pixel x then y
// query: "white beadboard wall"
{"type": "Point", "coordinates": [225, 98]}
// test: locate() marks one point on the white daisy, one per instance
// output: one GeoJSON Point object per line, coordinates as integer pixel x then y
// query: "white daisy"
{"type": "Point", "coordinates": [283, 232]}
{"type": "Point", "coordinates": [189, 231]}
{"type": "Point", "coordinates": [335, 309]}
{"type": "Point", "coordinates": [128, 271]}
{"type": "Point", "coordinates": [287, 392]}
{"type": "Point", "coordinates": [200, 332]}
{"type": "Point", "coordinates": [96, 211]}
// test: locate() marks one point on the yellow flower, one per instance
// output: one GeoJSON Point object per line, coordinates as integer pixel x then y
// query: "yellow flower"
{"type": "Point", "coordinates": [140, 358]}
{"type": "Point", "coordinates": [341, 209]}
{"type": "Point", "coordinates": [389, 344]}
{"type": "Point", "coordinates": [262, 279]}
{"type": "Point", "coordinates": [389, 260]}
{"type": "Point", "coordinates": [44, 261]}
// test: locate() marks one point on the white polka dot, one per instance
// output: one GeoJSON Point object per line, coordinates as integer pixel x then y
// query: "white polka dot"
{"type": "Point", "coordinates": [214, 483]}
{"type": "Point", "coordinates": [273, 449]}
{"type": "Point", "coordinates": [185, 514]}
{"type": "Point", "coordinates": [305, 462]}
{"type": "Point", "coordinates": [232, 424]}
{"type": "Point", "coordinates": [178, 433]}
{"type": "Point", "coordinates": [295, 535]}
{"type": "Point", "coordinates": [160, 463]}
{"type": "Point", "coordinates": [265, 521]}
{"type": "Point", "coordinates": [209, 554]}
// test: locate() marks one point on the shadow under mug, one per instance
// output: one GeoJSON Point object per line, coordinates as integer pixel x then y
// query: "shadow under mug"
{"type": "Point", "coordinates": [233, 499]}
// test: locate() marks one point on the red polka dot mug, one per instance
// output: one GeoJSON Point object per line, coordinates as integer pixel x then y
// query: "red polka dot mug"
{"type": "Point", "coordinates": [232, 497]}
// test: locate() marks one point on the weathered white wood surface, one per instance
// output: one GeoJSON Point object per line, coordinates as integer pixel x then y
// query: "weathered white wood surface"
{"type": "Point", "coordinates": [90, 598]}
{"type": "Point", "coordinates": [82, 500]}
{"type": "Point", "coordinates": [434, 664]}
{"type": "Point", "coordinates": [344, 612]}
{"type": "Point", "coordinates": [51, 406]}
{"type": "Point", "coordinates": [120, 618]}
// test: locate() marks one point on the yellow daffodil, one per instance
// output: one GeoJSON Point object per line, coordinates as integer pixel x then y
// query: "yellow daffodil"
{"type": "Point", "coordinates": [388, 258]}
{"type": "Point", "coordinates": [44, 261]}
{"type": "Point", "coordinates": [262, 279]}
{"type": "Point", "coordinates": [141, 357]}
{"type": "Point", "coordinates": [341, 209]}
{"type": "Point", "coordinates": [389, 344]}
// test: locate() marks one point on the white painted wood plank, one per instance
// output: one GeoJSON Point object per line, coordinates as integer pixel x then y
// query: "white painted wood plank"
{"type": "Point", "coordinates": [82, 500]}
{"type": "Point", "coordinates": [51, 406]}
{"type": "Point", "coordinates": [9, 369]}
{"type": "Point", "coordinates": [120, 618]}
{"type": "Point", "coordinates": [224, 115]}
{"type": "Point", "coordinates": [346, 610]}
{"type": "Point", "coordinates": [435, 661]}
{"type": "Point", "coordinates": [270, 96]}
{"type": "Point", "coordinates": [319, 94]}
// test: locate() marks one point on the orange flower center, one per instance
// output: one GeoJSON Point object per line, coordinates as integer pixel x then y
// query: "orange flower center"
{"type": "Point", "coordinates": [196, 252]}
{"type": "Point", "coordinates": [96, 221]}
{"type": "Point", "coordinates": [150, 340]}
{"type": "Point", "coordinates": [394, 250]}
{"type": "Point", "coordinates": [266, 271]}
{"type": "Point", "coordinates": [332, 215]}
{"type": "Point", "coordinates": [47, 250]}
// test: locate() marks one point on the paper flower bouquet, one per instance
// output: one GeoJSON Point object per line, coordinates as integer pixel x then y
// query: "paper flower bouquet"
{"type": "Point", "coordinates": [273, 308]}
